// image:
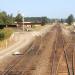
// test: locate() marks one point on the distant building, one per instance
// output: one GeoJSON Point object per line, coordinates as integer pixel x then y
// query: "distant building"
{"type": "Point", "coordinates": [24, 25]}
{"type": "Point", "coordinates": [27, 24]}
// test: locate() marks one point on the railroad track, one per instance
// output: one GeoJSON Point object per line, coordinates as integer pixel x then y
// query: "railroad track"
{"type": "Point", "coordinates": [32, 50]}
{"type": "Point", "coordinates": [14, 62]}
{"type": "Point", "coordinates": [59, 50]}
{"type": "Point", "coordinates": [69, 57]}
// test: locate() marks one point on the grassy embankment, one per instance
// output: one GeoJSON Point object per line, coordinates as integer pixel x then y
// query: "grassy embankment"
{"type": "Point", "coordinates": [69, 27]}
{"type": "Point", "coordinates": [5, 34]}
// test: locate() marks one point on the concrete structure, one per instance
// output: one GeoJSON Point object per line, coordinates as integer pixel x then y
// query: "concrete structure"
{"type": "Point", "coordinates": [25, 25]}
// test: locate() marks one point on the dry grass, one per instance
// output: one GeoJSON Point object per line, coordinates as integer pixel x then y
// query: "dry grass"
{"type": "Point", "coordinates": [6, 42]}
{"type": "Point", "coordinates": [38, 27]}
{"type": "Point", "coordinates": [7, 32]}
{"type": "Point", "coordinates": [68, 26]}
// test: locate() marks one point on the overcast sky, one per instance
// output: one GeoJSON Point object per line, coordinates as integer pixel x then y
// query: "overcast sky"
{"type": "Point", "coordinates": [49, 8]}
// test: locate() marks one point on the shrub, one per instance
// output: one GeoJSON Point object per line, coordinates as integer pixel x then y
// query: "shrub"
{"type": "Point", "coordinates": [5, 33]}
{"type": "Point", "coordinates": [2, 35]}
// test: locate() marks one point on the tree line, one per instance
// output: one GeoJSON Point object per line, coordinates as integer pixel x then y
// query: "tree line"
{"type": "Point", "coordinates": [8, 19]}
{"type": "Point", "coordinates": [70, 19]}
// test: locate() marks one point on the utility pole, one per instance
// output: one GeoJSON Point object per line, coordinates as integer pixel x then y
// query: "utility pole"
{"type": "Point", "coordinates": [23, 23]}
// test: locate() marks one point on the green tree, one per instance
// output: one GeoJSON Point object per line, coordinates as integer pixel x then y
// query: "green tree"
{"type": "Point", "coordinates": [18, 18]}
{"type": "Point", "coordinates": [3, 17]}
{"type": "Point", "coordinates": [10, 20]}
{"type": "Point", "coordinates": [70, 19]}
